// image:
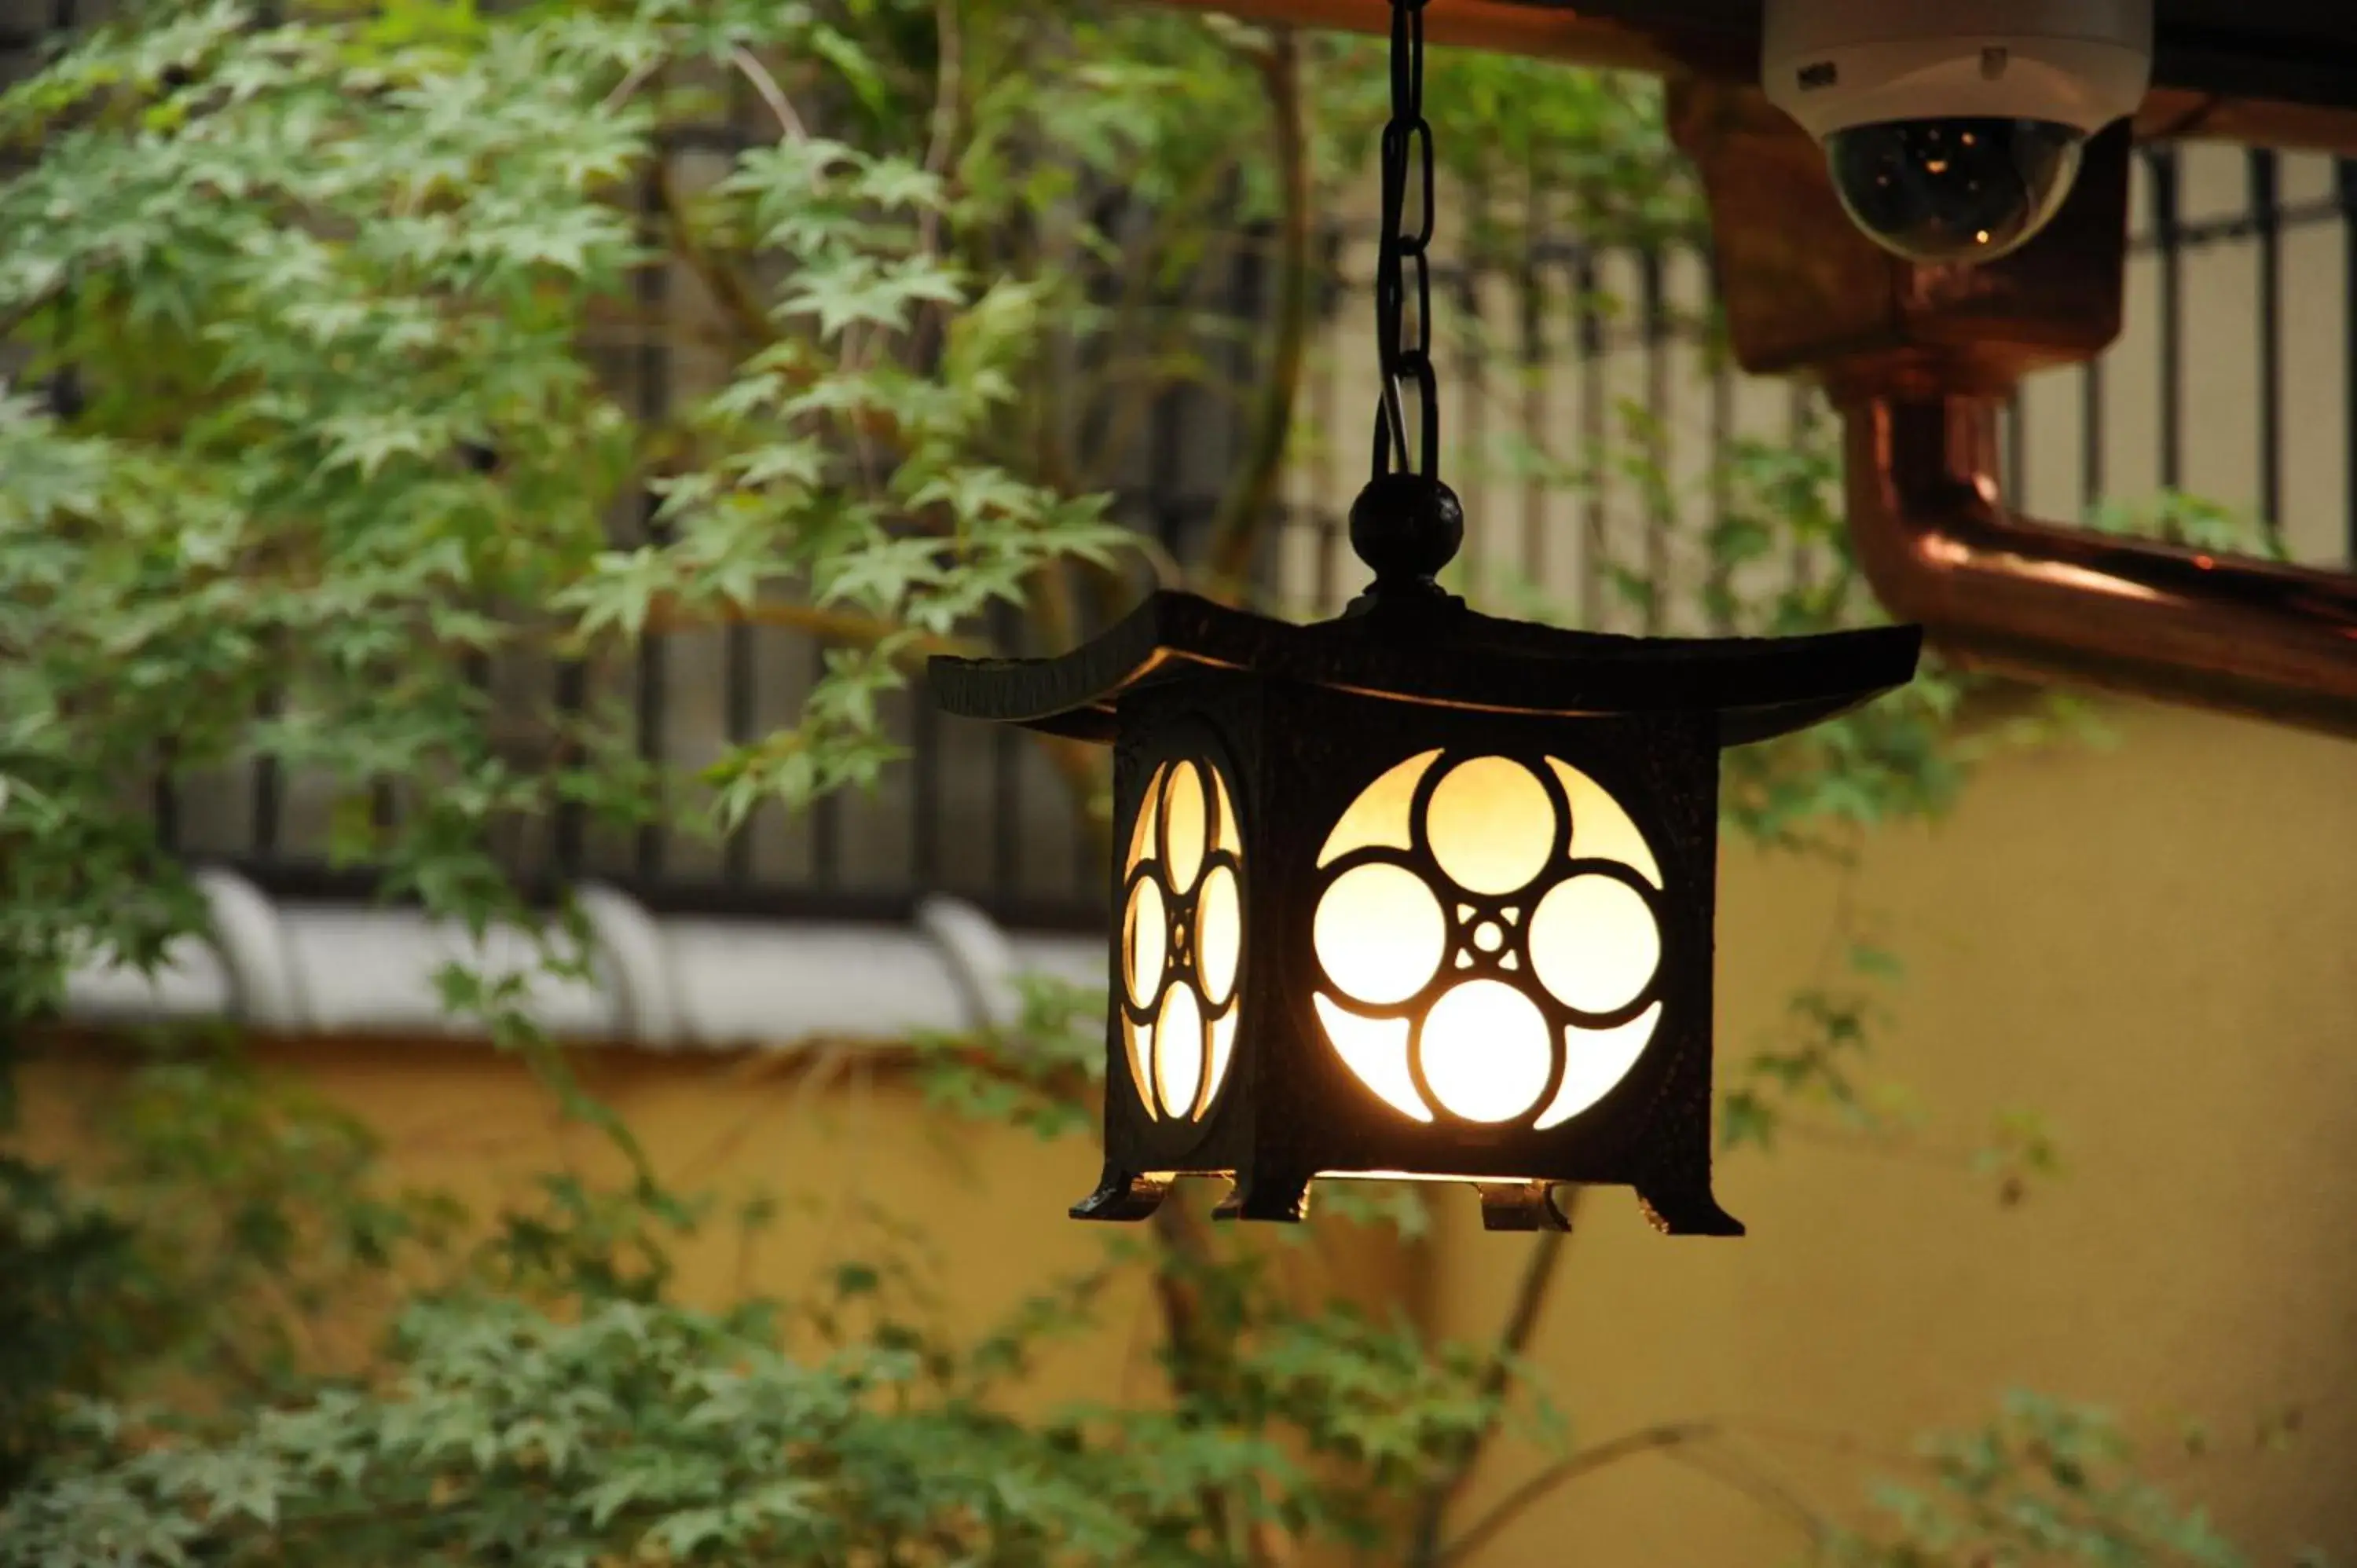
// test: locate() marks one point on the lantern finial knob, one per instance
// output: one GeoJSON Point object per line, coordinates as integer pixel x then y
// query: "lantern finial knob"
{"type": "Point", "coordinates": [1407, 527]}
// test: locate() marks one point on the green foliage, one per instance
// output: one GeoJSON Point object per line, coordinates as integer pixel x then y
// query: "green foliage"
{"type": "Point", "coordinates": [2046, 1482]}
{"type": "Point", "coordinates": [332, 290]}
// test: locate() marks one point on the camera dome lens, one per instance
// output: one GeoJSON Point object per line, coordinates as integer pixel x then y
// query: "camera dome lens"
{"type": "Point", "coordinates": [1954, 190]}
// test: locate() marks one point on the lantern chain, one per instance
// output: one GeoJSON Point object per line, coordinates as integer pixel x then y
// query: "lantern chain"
{"type": "Point", "coordinates": [1403, 264]}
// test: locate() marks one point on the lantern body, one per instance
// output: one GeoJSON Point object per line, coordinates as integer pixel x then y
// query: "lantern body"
{"type": "Point", "coordinates": [1423, 895]}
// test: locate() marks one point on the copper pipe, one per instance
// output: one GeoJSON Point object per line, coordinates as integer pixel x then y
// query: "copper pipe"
{"type": "Point", "coordinates": [2032, 599]}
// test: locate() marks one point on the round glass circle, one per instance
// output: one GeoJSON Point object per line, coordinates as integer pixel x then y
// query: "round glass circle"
{"type": "Point", "coordinates": [1187, 824]}
{"type": "Point", "coordinates": [1219, 935]}
{"type": "Point", "coordinates": [1178, 1051]}
{"type": "Point", "coordinates": [1380, 933]}
{"type": "Point", "coordinates": [1594, 943]}
{"type": "Point", "coordinates": [1491, 825]}
{"type": "Point", "coordinates": [1487, 1052]}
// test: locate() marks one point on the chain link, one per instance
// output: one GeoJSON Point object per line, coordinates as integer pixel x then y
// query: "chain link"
{"type": "Point", "coordinates": [1403, 264]}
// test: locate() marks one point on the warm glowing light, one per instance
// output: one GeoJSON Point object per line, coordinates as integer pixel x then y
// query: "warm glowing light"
{"type": "Point", "coordinates": [1223, 1045]}
{"type": "Point", "coordinates": [1139, 1039]}
{"type": "Point", "coordinates": [1594, 1062]}
{"type": "Point", "coordinates": [1187, 828]}
{"type": "Point", "coordinates": [1486, 1051]}
{"type": "Point", "coordinates": [1380, 933]}
{"type": "Point", "coordinates": [1600, 828]}
{"type": "Point", "coordinates": [1146, 942]}
{"type": "Point", "coordinates": [1379, 817]}
{"type": "Point", "coordinates": [1178, 1051]}
{"type": "Point", "coordinates": [1594, 943]}
{"type": "Point", "coordinates": [1219, 935]}
{"type": "Point", "coordinates": [1375, 1051]}
{"type": "Point", "coordinates": [1184, 854]}
{"type": "Point", "coordinates": [1491, 825]}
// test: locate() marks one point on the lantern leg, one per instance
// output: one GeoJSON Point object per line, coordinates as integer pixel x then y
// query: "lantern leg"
{"type": "Point", "coordinates": [1267, 1195]}
{"type": "Point", "coordinates": [1121, 1195]}
{"type": "Point", "coordinates": [1520, 1205]}
{"type": "Point", "coordinates": [1686, 1209]}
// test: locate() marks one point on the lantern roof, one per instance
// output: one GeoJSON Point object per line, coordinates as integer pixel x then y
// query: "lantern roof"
{"type": "Point", "coordinates": [1442, 655]}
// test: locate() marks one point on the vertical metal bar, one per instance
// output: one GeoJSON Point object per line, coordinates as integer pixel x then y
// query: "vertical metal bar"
{"type": "Point", "coordinates": [566, 828]}
{"type": "Point", "coordinates": [1593, 432]}
{"type": "Point", "coordinates": [1657, 449]}
{"type": "Point", "coordinates": [741, 649]}
{"type": "Point", "coordinates": [1800, 435]}
{"type": "Point", "coordinates": [652, 291]}
{"type": "Point", "coordinates": [2167, 235]}
{"type": "Point", "coordinates": [1719, 593]}
{"type": "Point", "coordinates": [2345, 187]}
{"type": "Point", "coordinates": [925, 791]}
{"type": "Point", "coordinates": [2090, 435]}
{"type": "Point", "coordinates": [1006, 777]}
{"type": "Point", "coordinates": [737, 862]}
{"type": "Point", "coordinates": [1473, 455]}
{"type": "Point", "coordinates": [167, 804]}
{"type": "Point", "coordinates": [1326, 589]}
{"type": "Point", "coordinates": [2016, 462]}
{"type": "Point", "coordinates": [1529, 299]}
{"type": "Point", "coordinates": [2267, 225]}
{"type": "Point", "coordinates": [826, 812]}
{"type": "Point", "coordinates": [268, 789]}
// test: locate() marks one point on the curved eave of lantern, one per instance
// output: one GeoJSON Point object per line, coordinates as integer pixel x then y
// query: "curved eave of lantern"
{"type": "Point", "coordinates": [1759, 687]}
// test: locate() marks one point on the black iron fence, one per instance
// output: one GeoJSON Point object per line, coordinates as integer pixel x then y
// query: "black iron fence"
{"type": "Point", "coordinates": [2236, 380]}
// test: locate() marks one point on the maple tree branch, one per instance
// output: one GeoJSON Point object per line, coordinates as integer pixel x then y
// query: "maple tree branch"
{"type": "Point", "coordinates": [1669, 1435]}
{"type": "Point", "coordinates": [1540, 1267]}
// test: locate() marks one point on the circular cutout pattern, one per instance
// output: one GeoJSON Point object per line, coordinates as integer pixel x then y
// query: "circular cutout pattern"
{"type": "Point", "coordinates": [1487, 1051]}
{"type": "Point", "coordinates": [1380, 933]}
{"type": "Point", "coordinates": [1183, 939]}
{"type": "Point", "coordinates": [1470, 944]}
{"type": "Point", "coordinates": [1594, 943]}
{"type": "Point", "coordinates": [1491, 825]}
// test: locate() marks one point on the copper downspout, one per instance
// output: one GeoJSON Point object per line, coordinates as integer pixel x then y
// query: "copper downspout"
{"type": "Point", "coordinates": [2032, 599]}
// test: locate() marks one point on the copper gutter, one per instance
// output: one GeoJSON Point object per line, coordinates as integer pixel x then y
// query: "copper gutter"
{"type": "Point", "coordinates": [1728, 47]}
{"type": "Point", "coordinates": [2029, 599]}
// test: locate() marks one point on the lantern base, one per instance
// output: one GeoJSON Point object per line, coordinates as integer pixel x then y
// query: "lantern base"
{"type": "Point", "coordinates": [1520, 1205]}
{"type": "Point", "coordinates": [1285, 1199]}
{"type": "Point", "coordinates": [1122, 1195]}
{"type": "Point", "coordinates": [1686, 1211]}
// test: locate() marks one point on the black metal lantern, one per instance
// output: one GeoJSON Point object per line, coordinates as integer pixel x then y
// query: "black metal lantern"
{"type": "Point", "coordinates": [1415, 893]}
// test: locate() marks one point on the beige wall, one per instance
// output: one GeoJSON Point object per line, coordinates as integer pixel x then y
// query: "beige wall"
{"type": "Point", "coordinates": [2157, 947]}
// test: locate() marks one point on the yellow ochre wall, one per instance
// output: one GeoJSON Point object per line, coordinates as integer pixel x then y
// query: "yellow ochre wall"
{"type": "Point", "coordinates": [2154, 945]}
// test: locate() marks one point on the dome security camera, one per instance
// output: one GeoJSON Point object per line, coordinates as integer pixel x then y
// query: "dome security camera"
{"type": "Point", "coordinates": [1952, 128]}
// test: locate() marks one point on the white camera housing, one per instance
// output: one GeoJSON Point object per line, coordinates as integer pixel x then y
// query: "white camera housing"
{"type": "Point", "coordinates": [1953, 126]}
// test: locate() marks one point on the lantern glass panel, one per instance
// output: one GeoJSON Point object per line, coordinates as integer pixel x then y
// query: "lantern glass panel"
{"type": "Point", "coordinates": [1183, 939]}
{"type": "Point", "coordinates": [1487, 939]}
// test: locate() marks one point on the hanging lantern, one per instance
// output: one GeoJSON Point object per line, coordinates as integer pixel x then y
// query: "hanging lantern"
{"type": "Point", "coordinates": [1416, 893]}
